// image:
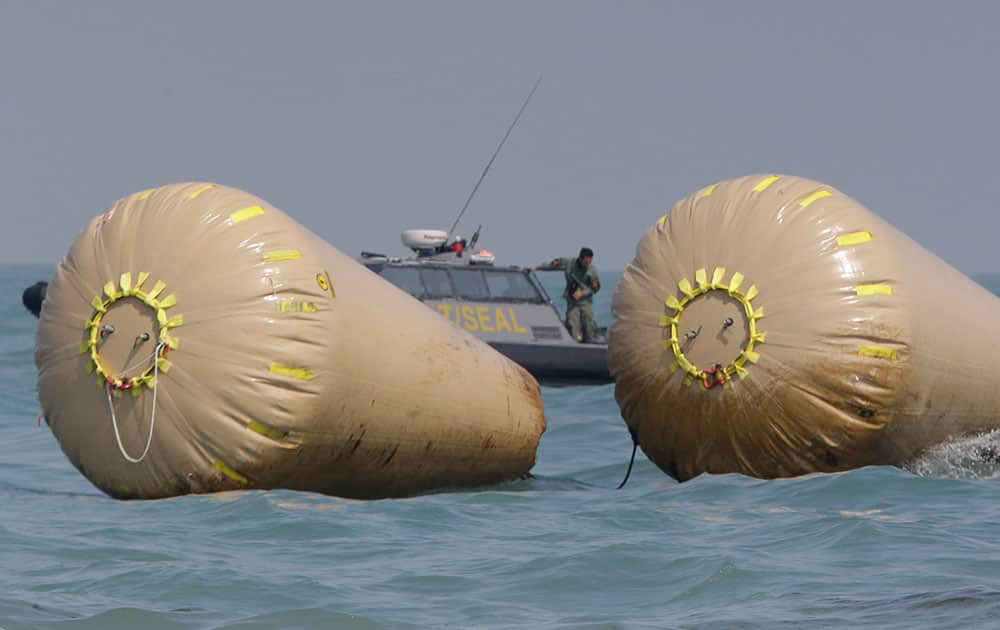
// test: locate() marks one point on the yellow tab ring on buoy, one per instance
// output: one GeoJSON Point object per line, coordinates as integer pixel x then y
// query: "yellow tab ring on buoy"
{"type": "Point", "coordinates": [127, 308]}
{"type": "Point", "coordinates": [712, 302]}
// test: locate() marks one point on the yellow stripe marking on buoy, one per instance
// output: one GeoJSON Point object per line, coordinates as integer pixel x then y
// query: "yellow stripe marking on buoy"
{"type": "Point", "coordinates": [263, 429]}
{"type": "Point", "coordinates": [819, 194]}
{"type": "Point", "coordinates": [878, 352]}
{"type": "Point", "coordinates": [874, 289]}
{"type": "Point", "coordinates": [282, 254]}
{"type": "Point", "coordinates": [223, 468]}
{"type": "Point", "coordinates": [708, 191]}
{"type": "Point", "coordinates": [854, 238]}
{"type": "Point", "coordinates": [246, 213]}
{"type": "Point", "coordinates": [200, 189]}
{"type": "Point", "coordinates": [296, 306]}
{"type": "Point", "coordinates": [763, 184]}
{"type": "Point", "coordinates": [294, 372]}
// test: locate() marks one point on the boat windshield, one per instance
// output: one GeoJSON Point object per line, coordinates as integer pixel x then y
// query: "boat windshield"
{"type": "Point", "coordinates": [407, 279]}
{"type": "Point", "coordinates": [436, 283]}
{"type": "Point", "coordinates": [511, 286]}
{"type": "Point", "coordinates": [463, 283]}
{"type": "Point", "coordinates": [469, 284]}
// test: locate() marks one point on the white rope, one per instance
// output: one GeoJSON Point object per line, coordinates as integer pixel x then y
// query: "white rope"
{"type": "Point", "coordinates": [152, 417]}
{"type": "Point", "coordinates": [125, 371]}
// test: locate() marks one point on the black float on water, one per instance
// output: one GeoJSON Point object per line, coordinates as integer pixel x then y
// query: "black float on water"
{"type": "Point", "coordinates": [33, 297]}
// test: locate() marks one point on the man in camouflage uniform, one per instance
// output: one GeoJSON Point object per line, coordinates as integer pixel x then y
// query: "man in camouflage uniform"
{"type": "Point", "coordinates": [581, 285]}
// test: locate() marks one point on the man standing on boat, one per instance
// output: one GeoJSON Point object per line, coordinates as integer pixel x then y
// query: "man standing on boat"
{"type": "Point", "coordinates": [581, 285]}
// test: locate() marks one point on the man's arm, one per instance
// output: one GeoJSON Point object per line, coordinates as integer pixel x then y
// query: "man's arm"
{"type": "Point", "coordinates": [556, 264]}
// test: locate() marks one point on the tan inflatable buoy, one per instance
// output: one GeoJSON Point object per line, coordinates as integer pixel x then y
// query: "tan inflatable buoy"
{"type": "Point", "coordinates": [197, 339]}
{"type": "Point", "coordinates": [773, 326]}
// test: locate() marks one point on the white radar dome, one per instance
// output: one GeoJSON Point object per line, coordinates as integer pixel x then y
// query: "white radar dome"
{"type": "Point", "coordinates": [424, 239]}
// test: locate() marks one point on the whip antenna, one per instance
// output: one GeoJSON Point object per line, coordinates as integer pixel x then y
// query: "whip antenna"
{"type": "Point", "coordinates": [495, 154]}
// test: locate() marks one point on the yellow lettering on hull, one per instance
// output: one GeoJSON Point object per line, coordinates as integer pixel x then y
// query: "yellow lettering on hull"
{"type": "Point", "coordinates": [502, 323]}
{"type": "Point", "coordinates": [517, 327]}
{"type": "Point", "coordinates": [480, 318]}
{"type": "Point", "coordinates": [469, 318]}
{"type": "Point", "coordinates": [482, 314]}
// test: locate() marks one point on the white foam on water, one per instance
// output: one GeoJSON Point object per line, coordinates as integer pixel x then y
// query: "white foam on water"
{"type": "Point", "coordinates": [976, 457]}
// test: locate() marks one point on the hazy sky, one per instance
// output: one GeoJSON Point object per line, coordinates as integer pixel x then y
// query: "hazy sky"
{"type": "Point", "coordinates": [361, 119]}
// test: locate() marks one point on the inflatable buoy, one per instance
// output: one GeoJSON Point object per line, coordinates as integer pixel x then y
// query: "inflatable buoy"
{"type": "Point", "coordinates": [197, 339]}
{"type": "Point", "coordinates": [773, 326]}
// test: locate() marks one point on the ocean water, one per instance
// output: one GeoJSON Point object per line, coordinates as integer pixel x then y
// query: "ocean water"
{"type": "Point", "coordinates": [878, 547]}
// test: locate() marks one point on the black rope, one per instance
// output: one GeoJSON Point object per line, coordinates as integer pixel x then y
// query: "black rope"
{"type": "Point", "coordinates": [635, 447]}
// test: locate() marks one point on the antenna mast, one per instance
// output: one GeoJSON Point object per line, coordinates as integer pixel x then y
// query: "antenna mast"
{"type": "Point", "coordinates": [495, 154]}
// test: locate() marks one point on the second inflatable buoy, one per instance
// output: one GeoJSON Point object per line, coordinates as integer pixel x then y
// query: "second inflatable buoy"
{"type": "Point", "coordinates": [773, 326]}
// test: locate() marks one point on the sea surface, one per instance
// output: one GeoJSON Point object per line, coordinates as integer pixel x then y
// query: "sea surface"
{"type": "Point", "coordinates": [878, 547]}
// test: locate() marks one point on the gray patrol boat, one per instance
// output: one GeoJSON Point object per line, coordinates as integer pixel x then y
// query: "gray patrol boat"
{"type": "Point", "coordinates": [505, 306]}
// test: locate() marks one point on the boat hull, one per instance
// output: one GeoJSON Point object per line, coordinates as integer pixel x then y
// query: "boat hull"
{"type": "Point", "coordinates": [560, 364]}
